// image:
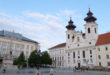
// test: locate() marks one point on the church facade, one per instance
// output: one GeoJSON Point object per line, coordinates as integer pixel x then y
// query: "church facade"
{"type": "Point", "coordinates": [81, 48]}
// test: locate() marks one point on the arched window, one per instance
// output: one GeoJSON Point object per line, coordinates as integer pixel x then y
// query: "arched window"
{"type": "Point", "coordinates": [73, 54]}
{"type": "Point", "coordinates": [89, 30]}
{"type": "Point", "coordinates": [83, 54]}
{"type": "Point", "coordinates": [95, 30]}
{"type": "Point", "coordinates": [90, 51]}
{"type": "Point", "coordinates": [68, 36]}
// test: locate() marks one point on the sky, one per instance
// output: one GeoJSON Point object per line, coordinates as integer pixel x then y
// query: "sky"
{"type": "Point", "coordinates": [45, 20]}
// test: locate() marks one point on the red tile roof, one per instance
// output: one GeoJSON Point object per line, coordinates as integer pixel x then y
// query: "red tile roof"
{"type": "Point", "coordinates": [103, 39]}
{"type": "Point", "coordinates": [58, 46]}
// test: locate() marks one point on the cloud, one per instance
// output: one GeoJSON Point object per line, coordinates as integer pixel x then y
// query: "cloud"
{"type": "Point", "coordinates": [47, 29]}
{"type": "Point", "coordinates": [66, 12]}
{"type": "Point", "coordinates": [41, 16]}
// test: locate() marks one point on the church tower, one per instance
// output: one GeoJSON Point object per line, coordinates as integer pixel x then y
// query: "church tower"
{"type": "Point", "coordinates": [70, 32]}
{"type": "Point", "coordinates": [91, 28]}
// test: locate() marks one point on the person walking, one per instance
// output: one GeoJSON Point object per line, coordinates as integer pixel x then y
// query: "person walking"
{"type": "Point", "coordinates": [51, 71]}
{"type": "Point", "coordinates": [38, 71]}
{"type": "Point", "coordinates": [4, 68]}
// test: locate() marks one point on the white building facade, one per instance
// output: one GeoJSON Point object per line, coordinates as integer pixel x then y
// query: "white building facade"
{"type": "Point", "coordinates": [103, 50]}
{"type": "Point", "coordinates": [57, 54]}
{"type": "Point", "coordinates": [16, 43]}
{"type": "Point", "coordinates": [81, 48]}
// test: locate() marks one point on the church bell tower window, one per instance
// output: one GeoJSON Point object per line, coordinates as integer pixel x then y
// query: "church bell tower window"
{"type": "Point", "coordinates": [89, 30]}
{"type": "Point", "coordinates": [95, 30]}
{"type": "Point", "coordinates": [68, 36]}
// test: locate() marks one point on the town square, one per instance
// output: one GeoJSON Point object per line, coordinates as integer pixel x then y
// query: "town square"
{"type": "Point", "coordinates": [54, 37]}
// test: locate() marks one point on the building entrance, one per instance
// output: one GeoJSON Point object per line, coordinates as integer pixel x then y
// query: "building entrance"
{"type": "Point", "coordinates": [78, 65]}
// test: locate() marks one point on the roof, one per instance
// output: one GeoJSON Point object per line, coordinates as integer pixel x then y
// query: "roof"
{"type": "Point", "coordinates": [103, 39]}
{"type": "Point", "coordinates": [58, 46]}
{"type": "Point", "coordinates": [15, 35]}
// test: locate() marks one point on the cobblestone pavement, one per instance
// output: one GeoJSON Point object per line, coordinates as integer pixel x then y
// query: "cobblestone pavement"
{"type": "Point", "coordinates": [56, 72]}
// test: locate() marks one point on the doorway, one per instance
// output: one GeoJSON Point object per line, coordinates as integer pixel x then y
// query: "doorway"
{"type": "Point", "coordinates": [78, 65]}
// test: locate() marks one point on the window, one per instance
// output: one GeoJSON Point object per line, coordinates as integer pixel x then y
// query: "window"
{"type": "Point", "coordinates": [68, 54]}
{"type": "Point", "coordinates": [62, 58]}
{"type": "Point", "coordinates": [99, 63]}
{"type": "Point", "coordinates": [78, 45]}
{"type": "Point", "coordinates": [68, 36]}
{"type": "Point", "coordinates": [27, 46]}
{"type": "Point", "coordinates": [88, 30]}
{"type": "Point", "coordinates": [108, 63]}
{"type": "Point", "coordinates": [73, 54]}
{"type": "Point", "coordinates": [74, 61]}
{"type": "Point", "coordinates": [84, 60]}
{"type": "Point", "coordinates": [31, 47]}
{"type": "Point", "coordinates": [107, 56]}
{"type": "Point", "coordinates": [91, 56]}
{"type": "Point", "coordinates": [78, 52]}
{"type": "Point", "coordinates": [95, 30]}
{"type": "Point", "coordinates": [78, 57]}
{"type": "Point", "coordinates": [78, 39]}
{"type": "Point", "coordinates": [89, 42]}
{"type": "Point", "coordinates": [98, 49]}
{"type": "Point", "coordinates": [83, 54]}
{"type": "Point", "coordinates": [106, 48]}
{"type": "Point", "coordinates": [90, 51]}
{"type": "Point", "coordinates": [99, 56]}
{"type": "Point", "coordinates": [91, 60]}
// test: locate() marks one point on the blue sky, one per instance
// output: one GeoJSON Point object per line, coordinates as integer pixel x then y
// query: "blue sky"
{"type": "Point", "coordinates": [45, 20]}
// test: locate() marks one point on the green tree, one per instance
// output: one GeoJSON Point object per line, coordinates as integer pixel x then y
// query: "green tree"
{"type": "Point", "coordinates": [46, 58]}
{"type": "Point", "coordinates": [15, 62]}
{"type": "Point", "coordinates": [34, 59]}
{"type": "Point", "coordinates": [20, 61]}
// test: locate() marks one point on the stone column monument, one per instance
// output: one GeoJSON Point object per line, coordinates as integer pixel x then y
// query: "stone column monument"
{"type": "Point", "coordinates": [8, 60]}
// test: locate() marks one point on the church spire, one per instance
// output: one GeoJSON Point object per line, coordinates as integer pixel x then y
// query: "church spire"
{"type": "Point", "coordinates": [90, 17]}
{"type": "Point", "coordinates": [70, 25]}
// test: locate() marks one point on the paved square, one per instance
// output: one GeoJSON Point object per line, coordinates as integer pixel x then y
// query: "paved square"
{"type": "Point", "coordinates": [56, 72]}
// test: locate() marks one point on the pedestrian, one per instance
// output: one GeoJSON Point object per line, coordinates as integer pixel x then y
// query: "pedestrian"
{"type": "Point", "coordinates": [4, 68]}
{"type": "Point", "coordinates": [38, 71]}
{"type": "Point", "coordinates": [51, 71]}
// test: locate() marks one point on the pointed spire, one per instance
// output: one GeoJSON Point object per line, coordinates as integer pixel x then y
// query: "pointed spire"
{"type": "Point", "coordinates": [89, 8]}
{"type": "Point", "coordinates": [70, 18]}
{"type": "Point", "coordinates": [90, 17]}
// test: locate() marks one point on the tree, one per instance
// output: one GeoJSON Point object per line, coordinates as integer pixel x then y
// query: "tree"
{"type": "Point", "coordinates": [37, 58]}
{"type": "Point", "coordinates": [20, 61]}
{"type": "Point", "coordinates": [34, 59]}
{"type": "Point", "coordinates": [46, 58]}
